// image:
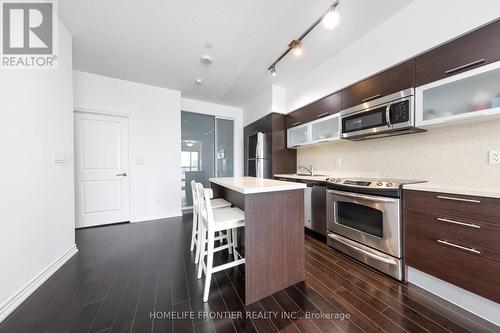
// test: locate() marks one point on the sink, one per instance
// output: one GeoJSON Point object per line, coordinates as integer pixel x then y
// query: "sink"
{"type": "Point", "coordinates": [308, 175]}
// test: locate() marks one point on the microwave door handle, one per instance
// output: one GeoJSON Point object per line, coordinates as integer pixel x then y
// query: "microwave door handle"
{"type": "Point", "coordinates": [388, 114]}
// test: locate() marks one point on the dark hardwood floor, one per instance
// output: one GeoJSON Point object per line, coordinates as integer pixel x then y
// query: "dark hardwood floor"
{"type": "Point", "coordinates": [131, 277]}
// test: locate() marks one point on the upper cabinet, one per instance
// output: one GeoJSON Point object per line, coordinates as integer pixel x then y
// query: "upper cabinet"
{"type": "Point", "coordinates": [321, 130]}
{"type": "Point", "coordinates": [475, 49]}
{"type": "Point", "coordinates": [389, 81]}
{"type": "Point", "coordinates": [468, 95]}
{"type": "Point", "coordinates": [329, 105]}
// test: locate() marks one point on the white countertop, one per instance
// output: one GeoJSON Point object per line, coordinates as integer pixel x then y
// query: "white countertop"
{"type": "Point", "coordinates": [474, 190]}
{"type": "Point", "coordinates": [321, 178]}
{"type": "Point", "coordinates": [249, 185]}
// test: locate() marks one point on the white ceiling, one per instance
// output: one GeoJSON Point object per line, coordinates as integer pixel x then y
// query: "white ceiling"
{"type": "Point", "coordinates": [159, 42]}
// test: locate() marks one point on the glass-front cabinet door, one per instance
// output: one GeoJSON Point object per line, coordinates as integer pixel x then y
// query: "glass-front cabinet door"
{"type": "Point", "coordinates": [325, 129]}
{"type": "Point", "coordinates": [465, 96]}
{"type": "Point", "coordinates": [298, 136]}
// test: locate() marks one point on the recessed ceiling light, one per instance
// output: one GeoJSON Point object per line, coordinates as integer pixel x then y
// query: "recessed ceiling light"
{"type": "Point", "coordinates": [206, 59]}
{"type": "Point", "coordinates": [198, 80]}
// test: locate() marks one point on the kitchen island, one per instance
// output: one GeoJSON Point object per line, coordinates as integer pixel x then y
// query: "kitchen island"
{"type": "Point", "coordinates": [273, 234]}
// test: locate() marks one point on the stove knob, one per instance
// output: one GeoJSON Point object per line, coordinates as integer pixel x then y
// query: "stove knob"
{"type": "Point", "coordinates": [389, 184]}
{"type": "Point", "coordinates": [380, 183]}
{"type": "Point", "coordinates": [338, 180]}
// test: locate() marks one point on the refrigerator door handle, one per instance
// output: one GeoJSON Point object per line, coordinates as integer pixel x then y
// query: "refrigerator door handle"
{"type": "Point", "coordinates": [259, 168]}
{"type": "Point", "coordinates": [258, 146]}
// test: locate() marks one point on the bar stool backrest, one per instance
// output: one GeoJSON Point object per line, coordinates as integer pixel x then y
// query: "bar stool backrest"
{"type": "Point", "coordinates": [204, 205]}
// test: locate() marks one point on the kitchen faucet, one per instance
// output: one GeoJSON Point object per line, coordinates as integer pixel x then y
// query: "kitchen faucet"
{"type": "Point", "coordinates": [310, 170]}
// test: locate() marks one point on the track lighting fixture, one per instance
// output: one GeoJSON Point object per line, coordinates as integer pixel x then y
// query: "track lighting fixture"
{"type": "Point", "coordinates": [273, 71]}
{"type": "Point", "coordinates": [296, 46]}
{"type": "Point", "coordinates": [330, 19]}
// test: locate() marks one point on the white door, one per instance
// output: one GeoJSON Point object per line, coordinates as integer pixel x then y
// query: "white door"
{"type": "Point", "coordinates": [101, 169]}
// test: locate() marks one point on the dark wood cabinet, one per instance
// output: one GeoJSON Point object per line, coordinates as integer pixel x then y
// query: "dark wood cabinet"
{"type": "Point", "coordinates": [474, 49]}
{"type": "Point", "coordinates": [282, 160]}
{"type": "Point", "coordinates": [387, 82]}
{"type": "Point", "coordinates": [455, 238]}
{"type": "Point", "coordinates": [326, 106]}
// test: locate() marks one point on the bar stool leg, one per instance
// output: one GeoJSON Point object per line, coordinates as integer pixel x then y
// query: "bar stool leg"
{"type": "Point", "coordinates": [210, 259]}
{"type": "Point", "coordinates": [194, 232]}
{"type": "Point", "coordinates": [234, 241]}
{"type": "Point", "coordinates": [200, 256]}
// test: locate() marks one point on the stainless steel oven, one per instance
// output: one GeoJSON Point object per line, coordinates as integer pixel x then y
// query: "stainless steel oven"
{"type": "Point", "coordinates": [371, 220]}
{"type": "Point", "coordinates": [364, 221]}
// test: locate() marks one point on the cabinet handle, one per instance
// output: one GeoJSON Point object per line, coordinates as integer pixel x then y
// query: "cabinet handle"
{"type": "Point", "coordinates": [459, 223]}
{"type": "Point", "coordinates": [470, 64]}
{"type": "Point", "coordinates": [297, 123]}
{"type": "Point", "coordinates": [459, 246]}
{"type": "Point", "coordinates": [371, 97]}
{"type": "Point", "coordinates": [458, 199]}
{"type": "Point", "coordinates": [322, 115]}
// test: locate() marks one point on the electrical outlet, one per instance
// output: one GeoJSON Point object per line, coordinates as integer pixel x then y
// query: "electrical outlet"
{"type": "Point", "coordinates": [338, 162]}
{"type": "Point", "coordinates": [494, 156]}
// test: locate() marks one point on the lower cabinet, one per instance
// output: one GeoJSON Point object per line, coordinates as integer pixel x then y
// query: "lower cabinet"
{"type": "Point", "coordinates": [455, 238]}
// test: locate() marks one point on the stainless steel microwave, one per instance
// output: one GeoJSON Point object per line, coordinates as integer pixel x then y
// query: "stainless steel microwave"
{"type": "Point", "coordinates": [386, 116]}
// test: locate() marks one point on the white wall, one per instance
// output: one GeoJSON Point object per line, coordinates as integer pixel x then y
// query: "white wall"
{"type": "Point", "coordinates": [416, 28]}
{"type": "Point", "coordinates": [272, 99]}
{"type": "Point", "coordinates": [155, 138]}
{"type": "Point", "coordinates": [36, 196]}
{"type": "Point", "coordinates": [219, 110]}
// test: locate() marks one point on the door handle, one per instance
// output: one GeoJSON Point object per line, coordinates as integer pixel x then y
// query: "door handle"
{"type": "Point", "coordinates": [122, 174]}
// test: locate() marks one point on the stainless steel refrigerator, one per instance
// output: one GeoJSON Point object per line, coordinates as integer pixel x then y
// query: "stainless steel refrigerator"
{"type": "Point", "coordinates": [259, 156]}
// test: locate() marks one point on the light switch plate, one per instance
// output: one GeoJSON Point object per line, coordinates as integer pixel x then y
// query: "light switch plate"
{"type": "Point", "coordinates": [338, 162]}
{"type": "Point", "coordinates": [494, 157]}
{"type": "Point", "coordinates": [58, 158]}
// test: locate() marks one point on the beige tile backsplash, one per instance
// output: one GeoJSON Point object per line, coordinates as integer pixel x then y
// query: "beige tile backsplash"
{"type": "Point", "coordinates": [454, 154]}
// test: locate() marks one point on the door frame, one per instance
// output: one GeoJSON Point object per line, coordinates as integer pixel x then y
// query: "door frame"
{"type": "Point", "coordinates": [131, 212]}
{"type": "Point", "coordinates": [215, 140]}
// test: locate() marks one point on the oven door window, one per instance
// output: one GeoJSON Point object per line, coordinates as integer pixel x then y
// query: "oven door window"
{"type": "Point", "coordinates": [370, 119]}
{"type": "Point", "coordinates": [363, 218]}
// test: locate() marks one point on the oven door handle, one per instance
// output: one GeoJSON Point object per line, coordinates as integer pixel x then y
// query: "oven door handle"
{"type": "Point", "coordinates": [372, 255]}
{"type": "Point", "coordinates": [361, 196]}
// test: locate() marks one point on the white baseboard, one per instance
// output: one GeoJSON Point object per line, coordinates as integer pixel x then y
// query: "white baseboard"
{"type": "Point", "coordinates": [471, 302]}
{"type": "Point", "coordinates": [22, 294]}
{"type": "Point", "coordinates": [154, 218]}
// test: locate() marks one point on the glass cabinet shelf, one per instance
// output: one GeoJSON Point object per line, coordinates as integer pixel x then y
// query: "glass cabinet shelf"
{"type": "Point", "coordinates": [470, 95]}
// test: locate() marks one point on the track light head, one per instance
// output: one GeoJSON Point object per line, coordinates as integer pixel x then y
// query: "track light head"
{"type": "Point", "coordinates": [331, 19]}
{"type": "Point", "coordinates": [296, 47]}
{"type": "Point", "coordinates": [273, 71]}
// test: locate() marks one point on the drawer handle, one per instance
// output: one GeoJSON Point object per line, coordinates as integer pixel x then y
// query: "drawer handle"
{"type": "Point", "coordinates": [470, 64]}
{"type": "Point", "coordinates": [297, 123]}
{"type": "Point", "coordinates": [458, 199]}
{"type": "Point", "coordinates": [371, 97]}
{"type": "Point", "coordinates": [459, 223]}
{"type": "Point", "coordinates": [321, 115]}
{"type": "Point", "coordinates": [459, 246]}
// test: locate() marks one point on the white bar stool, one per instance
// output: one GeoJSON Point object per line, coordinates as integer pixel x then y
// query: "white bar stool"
{"type": "Point", "coordinates": [216, 204]}
{"type": "Point", "coordinates": [212, 221]}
